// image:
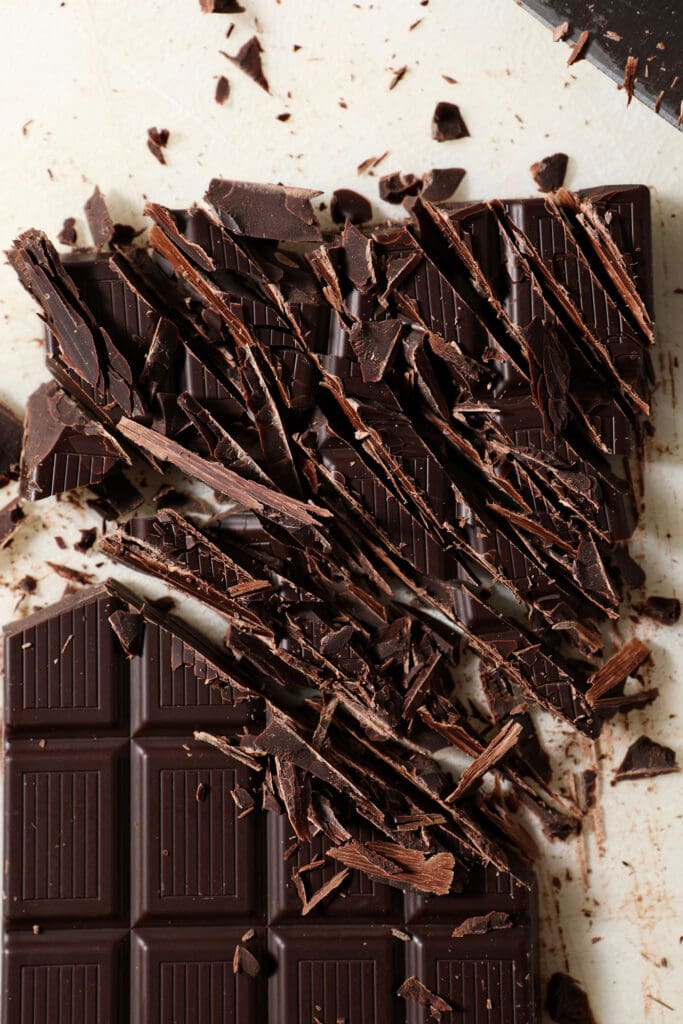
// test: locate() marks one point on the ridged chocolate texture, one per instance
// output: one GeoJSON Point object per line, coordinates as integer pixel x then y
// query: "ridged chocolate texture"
{"type": "Point", "coordinates": [133, 874]}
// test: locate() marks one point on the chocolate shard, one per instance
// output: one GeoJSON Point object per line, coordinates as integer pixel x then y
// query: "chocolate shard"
{"type": "Point", "coordinates": [374, 342]}
{"type": "Point", "coordinates": [64, 448]}
{"type": "Point", "coordinates": [11, 433]}
{"type": "Point", "coordinates": [244, 960]}
{"type": "Point", "coordinates": [630, 73]}
{"type": "Point", "coordinates": [99, 219]}
{"type": "Point", "coordinates": [157, 141]}
{"type": "Point", "coordinates": [441, 183]}
{"type": "Point", "coordinates": [11, 519]}
{"type": "Point", "coordinates": [393, 188]}
{"type": "Point", "coordinates": [221, 6]}
{"type": "Point", "coordinates": [495, 920]}
{"type": "Point", "coordinates": [414, 989]}
{"type": "Point", "coordinates": [665, 610]}
{"type": "Point", "coordinates": [346, 204]}
{"type": "Point", "coordinates": [405, 869]}
{"type": "Point", "coordinates": [578, 50]}
{"type": "Point", "coordinates": [248, 59]}
{"type": "Point", "coordinates": [566, 1002]}
{"type": "Point", "coordinates": [644, 759]}
{"type": "Point", "coordinates": [275, 212]}
{"type": "Point", "coordinates": [448, 123]}
{"type": "Point", "coordinates": [129, 628]}
{"type": "Point", "coordinates": [617, 669]}
{"type": "Point", "coordinates": [67, 233]}
{"type": "Point", "coordinates": [549, 173]}
{"type": "Point", "coordinates": [499, 747]}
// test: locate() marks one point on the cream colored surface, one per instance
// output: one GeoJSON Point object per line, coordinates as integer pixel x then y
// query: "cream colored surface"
{"type": "Point", "coordinates": [86, 79]}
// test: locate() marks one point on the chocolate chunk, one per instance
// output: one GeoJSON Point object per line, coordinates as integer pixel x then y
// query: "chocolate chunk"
{"type": "Point", "coordinates": [393, 188]}
{"type": "Point", "coordinates": [99, 219]}
{"type": "Point", "coordinates": [11, 518]}
{"type": "Point", "coordinates": [448, 123]}
{"type": "Point", "coordinates": [157, 140]}
{"type": "Point", "coordinates": [129, 628]}
{"type": "Point", "coordinates": [644, 759]}
{"type": "Point", "coordinates": [222, 90]}
{"type": "Point", "coordinates": [440, 184]}
{"type": "Point", "coordinates": [63, 448]}
{"type": "Point", "coordinates": [578, 50]}
{"type": "Point", "coordinates": [666, 610]}
{"type": "Point", "coordinates": [349, 205]}
{"type": "Point", "coordinates": [374, 343]}
{"type": "Point", "coordinates": [549, 172]}
{"type": "Point", "coordinates": [493, 921]}
{"type": "Point", "coordinates": [67, 234]}
{"type": "Point", "coordinates": [265, 211]}
{"type": "Point", "coordinates": [11, 432]}
{"type": "Point", "coordinates": [248, 59]}
{"type": "Point", "coordinates": [566, 1002]}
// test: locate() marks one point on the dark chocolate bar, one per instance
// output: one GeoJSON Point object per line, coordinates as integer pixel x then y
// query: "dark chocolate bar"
{"type": "Point", "coordinates": [143, 886]}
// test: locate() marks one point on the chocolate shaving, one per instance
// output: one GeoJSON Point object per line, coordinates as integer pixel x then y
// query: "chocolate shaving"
{"type": "Point", "coordinates": [397, 866]}
{"type": "Point", "coordinates": [617, 669]}
{"type": "Point", "coordinates": [248, 59]}
{"type": "Point", "coordinates": [71, 574]}
{"type": "Point", "coordinates": [245, 961]}
{"type": "Point", "coordinates": [324, 891]}
{"type": "Point", "coordinates": [578, 50]}
{"type": "Point", "coordinates": [644, 759]}
{"type": "Point", "coordinates": [494, 752]}
{"type": "Point", "coordinates": [493, 921]}
{"type": "Point", "coordinates": [448, 123]}
{"type": "Point", "coordinates": [560, 31]}
{"type": "Point", "coordinates": [630, 72]}
{"type": "Point", "coordinates": [374, 343]}
{"type": "Point", "coordinates": [413, 989]}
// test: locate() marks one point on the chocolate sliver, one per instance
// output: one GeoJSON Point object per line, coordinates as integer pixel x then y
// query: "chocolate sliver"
{"type": "Point", "coordinates": [248, 59]}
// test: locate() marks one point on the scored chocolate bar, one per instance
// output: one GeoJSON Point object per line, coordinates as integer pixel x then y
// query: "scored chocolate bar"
{"type": "Point", "coordinates": [143, 884]}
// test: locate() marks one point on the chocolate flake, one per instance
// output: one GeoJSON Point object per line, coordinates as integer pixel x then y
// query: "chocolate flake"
{"type": "Point", "coordinates": [248, 59]}
{"type": "Point", "coordinates": [560, 31]}
{"type": "Point", "coordinates": [493, 921]}
{"type": "Point", "coordinates": [566, 1002]}
{"type": "Point", "coordinates": [644, 759]}
{"type": "Point", "coordinates": [67, 572]}
{"type": "Point", "coordinates": [88, 538]}
{"type": "Point", "coordinates": [549, 172]}
{"type": "Point", "coordinates": [245, 961]}
{"type": "Point", "coordinates": [157, 140]}
{"type": "Point", "coordinates": [99, 219]}
{"type": "Point", "coordinates": [412, 988]}
{"type": "Point", "coordinates": [374, 343]}
{"type": "Point", "coordinates": [397, 76]}
{"type": "Point", "coordinates": [630, 72]}
{"type": "Point", "coordinates": [448, 123]}
{"type": "Point", "coordinates": [617, 669]}
{"type": "Point", "coordinates": [578, 50]}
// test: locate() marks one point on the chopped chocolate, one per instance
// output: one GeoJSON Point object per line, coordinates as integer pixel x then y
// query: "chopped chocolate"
{"type": "Point", "coordinates": [11, 432]}
{"type": "Point", "coordinates": [665, 610]}
{"type": "Point", "coordinates": [244, 960]}
{"type": "Point", "coordinates": [221, 6]}
{"type": "Point", "coordinates": [644, 759]}
{"type": "Point", "coordinates": [630, 72]}
{"type": "Point", "coordinates": [397, 76]}
{"type": "Point", "coordinates": [265, 211]}
{"type": "Point", "coordinates": [99, 219]}
{"type": "Point", "coordinates": [129, 627]}
{"type": "Point", "coordinates": [67, 234]}
{"type": "Point", "coordinates": [393, 188]}
{"type": "Point", "coordinates": [222, 90]}
{"type": "Point", "coordinates": [374, 343]}
{"type": "Point", "coordinates": [617, 669]}
{"type": "Point", "coordinates": [63, 448]}
{"type": "Point", "coordinates": [448, 123]}
{"type": "Point", "coordinates": [371, 162]}
{"type": "Point", "coordinates": [440, 184]}
{"type": "Point", "coordinates": [116, 496]}
{"type": "Point", "coordinates": [67, 572]}
{"type": "Point", "coordinates": [412, 988]}
{"type": "Point", "coordinates": [157, 140]}
{"type": "Point", "coordinates": [349, 205]}
{"type": "Point", "coordinates": [549, 172]}
{"type": "Point", "coordinates": [11, 518]}
{"type": "Point", "coordinates": [578, 50]}
{"type": "Point", "coordinates": [493, 921]}
{"type": "Point", "coordinates": [566, 1002]}
{"type": "Point", "coordinates": [248, 59]}
{"type": "Point", "coordinates": [88, 538]}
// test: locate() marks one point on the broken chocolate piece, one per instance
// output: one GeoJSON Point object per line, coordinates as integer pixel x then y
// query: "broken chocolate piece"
{"type": "Point", "coordinates": [129, 627]}
{"type": "Point", "coordinates": [248, 59]}
{"type": "Point", "coordinates": [549, 173]}
{"type": "Point", "coordinates": [11, 433]}
{"type": "Point", "coordinates": [666, 610]}
{"type": "Point", "coordinates": [493, 921]}
{"type": "Point", "coordinates": [566, 1002]}
{"type": "Point", "coordinates": [440, 184]}
{"type": "Point", "coordinates": [448, 123]}
{"type": "Point", "coordinates": [374, 342]}
{"type": "Point", "coordinates": [393, 188]}
{"type": "Point", "coordinates": [349, 205]}
{"type": "Point", "coordinates": [221, 6]}
{"type": "Point", "coordinates": [644, 759]}
{"type": "Point", "coordinates": [99, 219]}
{"type": "Point", "coordinates": [265, 211]}
{"type": "Point", "coordinates": [157, 140]}
{"type": "Point", "coordinates": [412, 988]}
{"type": "Point", "coordinates": [63, 448]}
{"type": "Point", "coordinates": [67, 234]}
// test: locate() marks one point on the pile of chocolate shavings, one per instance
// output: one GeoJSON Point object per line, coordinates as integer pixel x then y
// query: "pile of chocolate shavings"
{"type": "Point", "coordinates": [408, 458]}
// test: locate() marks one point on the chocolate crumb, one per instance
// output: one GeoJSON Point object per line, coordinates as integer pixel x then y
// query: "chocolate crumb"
{"type": "Point", "coordinates": [578, 50]}
{"type": "Point", "coordinates": [666, 610]}
{"type": "Point", "coordinates": [157, 140]}
{"type": "Point", "coordinates": [11, 518]}
{"type": "Point", "coordinates": [99, 219]}
{"type": "Point", "coordinates": [200, 792]}
{"type": "Point", "coordinates": [549, 172]}
{"type": "Point", "coordinates": [27, 584]}
{"type": "Point", "coordinates": [222, 90]}
{"type": "Point", "coordinates": [397, 76]}
{"type": "Point", "coordinates": [284, 117]}
{"type": "Point", "coordinates": [614, 36]}
{"type": "Point", "coordinates": [448, 123]}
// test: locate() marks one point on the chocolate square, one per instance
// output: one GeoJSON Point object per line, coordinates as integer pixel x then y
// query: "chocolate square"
{"type": "Point", "coordinates": [191, 857]}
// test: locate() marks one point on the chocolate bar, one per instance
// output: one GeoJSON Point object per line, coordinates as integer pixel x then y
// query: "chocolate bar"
{"type": "Point", "coordinates": [138, 887]}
